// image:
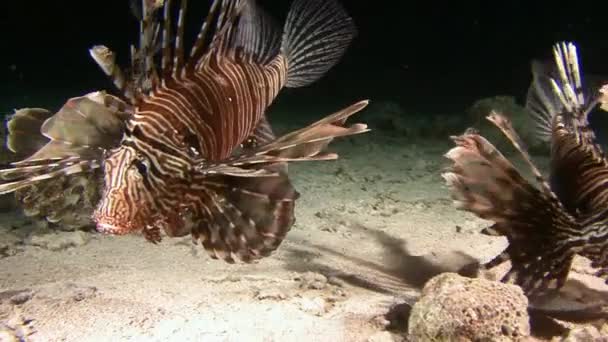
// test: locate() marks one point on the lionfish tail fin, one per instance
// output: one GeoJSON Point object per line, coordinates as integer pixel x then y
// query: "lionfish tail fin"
{"type": "Point", "coordinates": [316, 35]}
{"type": "Point", "coordinates": [482, 181]}
{"type": "Point", "coordinates": [248, 217]}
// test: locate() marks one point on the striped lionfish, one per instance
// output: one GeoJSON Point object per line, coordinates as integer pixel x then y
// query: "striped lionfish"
{"type": "Point", "coordinates": [546, 225]}
{"type": "Point", "coordinates": [187, 149]}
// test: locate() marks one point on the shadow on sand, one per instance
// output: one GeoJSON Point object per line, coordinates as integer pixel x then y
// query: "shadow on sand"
{"type": "Point", "coordinates": [399, 273]}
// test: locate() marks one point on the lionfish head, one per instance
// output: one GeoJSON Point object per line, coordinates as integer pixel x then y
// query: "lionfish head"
{"type": "Point", "coordinates": [125, 205]}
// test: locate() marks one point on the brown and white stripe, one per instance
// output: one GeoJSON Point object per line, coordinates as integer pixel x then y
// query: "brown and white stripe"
{"type": "Point", "coordinates": [197, 154]}
{"type": "Point", "coordinates": [568, 215]}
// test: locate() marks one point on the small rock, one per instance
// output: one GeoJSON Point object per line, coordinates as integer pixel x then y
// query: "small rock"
{"type": "Point", "coordinates": [381, 322]}
{"type": "Point", "coordinates": [7, 336]}
{"type": "Point", "coordinates": [316, 305]}
{"type": "Point", "coordinates": [383, 336]}
{"type": "Point", "coordinates": [270, 294]}
{"type": "Point", "coordinates": [60, 241]}
{"type": "Point", "coordinates": [80, 293]}
{"type": "Point", "coordinates": [586, 333]}
{"type": "Point", "coordinates": [8, 240]}
{"type": "Point", "coordinates": [336, 281]}
{"type": "Point", "coordinates": [15, 328]}
{"type": "Point", "coordinates": [312, 280]}
{"type": "Point", "coordinates": [21, 298]}
{"type": "Point", "coordinates": [453, 307]}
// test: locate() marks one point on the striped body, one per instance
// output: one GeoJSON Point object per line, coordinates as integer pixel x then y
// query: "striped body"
{"type": "Point", "coordinates": [207, 102]}
{"type": "Point", "coordinates": [187, 149]}
{"type": "Point", "coordinates": [169, 133]}
{"type": "Point", "coordinates": [546, 225]}
{"type": "Point", "coordinates": [198, 156]}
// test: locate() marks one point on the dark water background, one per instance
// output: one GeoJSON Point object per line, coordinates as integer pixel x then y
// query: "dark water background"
{"type": "Point", "coordinates": [427, 56]}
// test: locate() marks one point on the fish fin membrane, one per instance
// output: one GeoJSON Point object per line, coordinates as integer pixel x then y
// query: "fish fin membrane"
{"type": "Point", "coordinates": [558, 88]}
{"type": "Point", "coordinates": [24, 137]}
{"type": "Point", "coordinates": [16, 177]}
{"type": "Point", "coordinates": [257, 33]}
{"type": "Point", "coordinates": [563, 100]}
{"type": "Point", "coordinates": [86, 121]}
{"type": "Point", "coordinates": [306, 144]}
{"type": "Point", "coordinates": [249, 198]}
{"type": "Point", "coordinates": [76, 138]}
{"type": "Point", "coordinates": [316, 35]}
{"type": "Point", "coordinates": [247, 217]}
{"type": "Point", "coordinates": [482, 181]}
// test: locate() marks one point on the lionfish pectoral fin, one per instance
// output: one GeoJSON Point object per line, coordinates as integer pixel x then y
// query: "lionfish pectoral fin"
{"type": "Point", "coordinates": [504, 124]}
{"type": "Point", "coordinates": [236, 171]}
{"type": "Point", "coordinates": [597, 252]}
{"type": "Point", "coordinates": [306, 144]}
{"type": "Point", "coordinates": [76, 137]}
{"type": "Point", "coordinates": [306, 43]}
{"type": "Point", "coordinates": [481, 180]}
{"type": "Point", "coordinates": [86, 121]}
{"type": "Point", "coordinates": [24, 136]}
{"type": "Point", "coordinates": [246, 217]}
{"type": "Point", "coordinates": [538, 271]}
{"type": "Point", "coordinates": [19, 177]}
{"type": "Point", "coordinates": [310, 141]}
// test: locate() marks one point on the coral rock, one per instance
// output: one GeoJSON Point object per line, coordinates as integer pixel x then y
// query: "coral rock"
{"type": "Point", "coordinates": [455, 308]}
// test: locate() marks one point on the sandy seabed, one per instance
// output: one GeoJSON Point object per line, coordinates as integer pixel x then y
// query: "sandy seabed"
{"type": "Point", "coordinates": [371, 229]}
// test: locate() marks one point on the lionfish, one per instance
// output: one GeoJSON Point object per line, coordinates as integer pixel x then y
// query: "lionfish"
{"type": "Point", "coordinates": [186, 148]}
{"type": "Point", "coordinates": [548, 224]}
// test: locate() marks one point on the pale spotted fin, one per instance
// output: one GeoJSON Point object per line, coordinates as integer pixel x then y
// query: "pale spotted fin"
{"type": "Point", "coordinates": [24, 137]}
{"type": "Point", "coordinates": [247, 217]}
{"type": "Point", "coordinates": [77, 136]}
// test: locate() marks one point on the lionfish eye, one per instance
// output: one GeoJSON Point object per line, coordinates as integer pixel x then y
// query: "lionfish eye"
{"type": "Point", "coordinates": [141, 167]}
{"type": "Point", "coordinates": [250, 142]}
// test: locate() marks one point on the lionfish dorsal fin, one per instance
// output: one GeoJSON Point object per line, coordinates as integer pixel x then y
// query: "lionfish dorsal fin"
{"type": "Point", "coordinates": [106, 60]}
{"type": "Point", "coordinates": [241, 25]}
{"type": "Point", "coordinates": [149, 29]}
{"type": "Point", "coordinates": [541, 100]}
{"type": "Point", "coordinates": [578, 164]}
{"type": "Point", "coordinates": [558, 89]}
